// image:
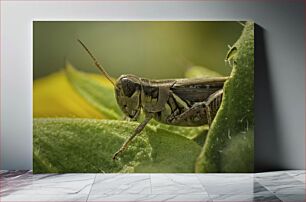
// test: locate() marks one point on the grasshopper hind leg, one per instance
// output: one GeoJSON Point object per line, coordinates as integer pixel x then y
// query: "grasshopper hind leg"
{"type": "Point", "coordinates": [213, 104]}
{"type": "Point", "coordinates": [208, 108]}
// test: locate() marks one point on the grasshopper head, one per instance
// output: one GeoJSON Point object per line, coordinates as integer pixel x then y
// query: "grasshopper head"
{"type": "Point", "coordinates": [127, 89]}
{"type": "Point", "coordinates": [127, 92]}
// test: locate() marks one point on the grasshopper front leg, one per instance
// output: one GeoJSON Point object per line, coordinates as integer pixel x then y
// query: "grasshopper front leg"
{"type": "Point", "coordinates": [137, 131]}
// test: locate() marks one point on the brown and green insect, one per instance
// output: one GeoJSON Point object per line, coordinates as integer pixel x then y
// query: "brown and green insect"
{"type": "Point", "coordinates": [181, 102]}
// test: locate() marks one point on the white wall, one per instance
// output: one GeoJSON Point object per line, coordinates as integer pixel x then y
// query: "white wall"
{"type": "Point", "coordinates": [280, 73]}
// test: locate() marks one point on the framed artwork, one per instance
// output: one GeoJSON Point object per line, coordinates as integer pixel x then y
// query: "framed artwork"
{"type": "Point", "coordinates": [143, 96]}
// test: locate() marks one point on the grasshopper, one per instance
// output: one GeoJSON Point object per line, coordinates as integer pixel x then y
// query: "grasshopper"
{"type": "Point", "coordinates": [181, 102]}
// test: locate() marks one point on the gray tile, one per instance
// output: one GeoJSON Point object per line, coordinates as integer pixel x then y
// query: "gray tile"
{"type": "Point", "coordinates": [121, 184]}
{"type": "Point", "coordinates": [271, 173]}
{"type": "Point", "coordinates": [283, 184]}
{"type": "Point", "coordinates": [227, 184]}
{"type": "Point", "coordinates": [48, 184]}
{"type": "Point", "coordinates": [281, 175]}
{"type": "Point", "coordinates": [42, 198]}
{"type": "Point", "coordinates": [276, 175]}
{"type": "Point", "coordinates": [245, 198]}
{"type": "Point", "coordinates": [298, 175]}
{"type": "Point", "coordinates": [183, 198]}
{"type": "Point", "coordinates": [149, 198]}
{"type": "Point", "coordinates": [3, 171]}
{"type": "Point", "coordinates": [114, 197]}
{"type": "Point", "coordinates": [287, 189]}
{"type": "Point", "coordinates": [261, 193]}
{"type": "Point", "coordinates": [13, 173]}
{"type": "Point", "coordinates": [12, 181]}
{"type": "Point", "coordinates": [264, 197]}
{"type": "Point", "coordinates": [295, 171]}
{"type": "Point", "coordinates": [258, 188]}
{"type": "Point", "coordinates": [232, 198]}
{"type": "Point", "coordinates": [176, 184]}
{"type": "Point", "coordinates": [292, 197]}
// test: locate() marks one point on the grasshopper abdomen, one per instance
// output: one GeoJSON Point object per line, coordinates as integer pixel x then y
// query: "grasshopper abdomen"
{"type": "Point", "coordinates": [191, 102]}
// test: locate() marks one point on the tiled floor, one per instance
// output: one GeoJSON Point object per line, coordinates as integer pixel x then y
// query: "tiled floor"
{"type": "Point", "coordinates": [272, 186]}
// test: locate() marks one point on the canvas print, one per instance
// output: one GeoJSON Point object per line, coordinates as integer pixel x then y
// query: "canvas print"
{"type": "Point", "coordinates": [143, 96]}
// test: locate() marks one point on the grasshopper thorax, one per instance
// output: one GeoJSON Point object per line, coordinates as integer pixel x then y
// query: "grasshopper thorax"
{"type": "Point", "coordinates": [128, 91]}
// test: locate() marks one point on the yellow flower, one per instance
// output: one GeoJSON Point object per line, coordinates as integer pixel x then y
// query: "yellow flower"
{"type": "Point", "coordinates": [54, 96]}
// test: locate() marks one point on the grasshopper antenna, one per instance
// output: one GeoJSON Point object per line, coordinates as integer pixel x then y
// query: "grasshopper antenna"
{"type": "Point", "coordinates": [241, 23]}
{"type": "Point", "coordinates": [96, 62]}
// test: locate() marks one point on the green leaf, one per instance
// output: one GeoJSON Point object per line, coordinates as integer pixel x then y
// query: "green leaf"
{"type": "Point", "coordinates": [236, 113]}
{"type": "Point", "coordinates": [99, 96]}
{"type": "Point", "coordinates": [238, 155]}
{"type": "Point", "coordinates": [86, 145]}
{"type": "Point", "coordinates": [189, 132]}
{"type": "Point", "coordinates": [201, 72]}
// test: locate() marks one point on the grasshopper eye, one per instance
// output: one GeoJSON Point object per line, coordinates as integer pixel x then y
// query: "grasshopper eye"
{"type": "Point", "coordinates": [129, 87]}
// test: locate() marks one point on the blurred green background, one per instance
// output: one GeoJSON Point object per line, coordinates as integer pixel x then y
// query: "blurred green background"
{"type": "Point", "coordinates": [152, 49]}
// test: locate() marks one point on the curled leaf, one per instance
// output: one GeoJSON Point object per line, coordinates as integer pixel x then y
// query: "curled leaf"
{"type": "Point", "coordinates": [236, 113]}
{"type": "Point", "coordinates": [238, 155]}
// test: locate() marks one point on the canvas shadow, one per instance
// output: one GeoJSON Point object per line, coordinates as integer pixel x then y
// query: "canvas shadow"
{"type": "Point", "coordinates": [266, 142]}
